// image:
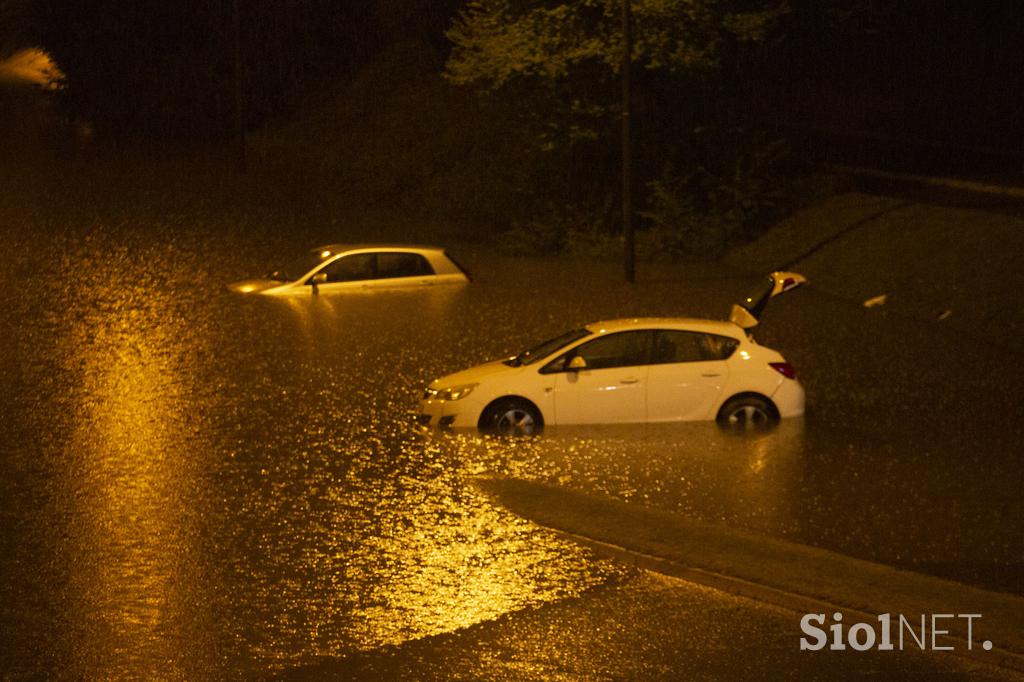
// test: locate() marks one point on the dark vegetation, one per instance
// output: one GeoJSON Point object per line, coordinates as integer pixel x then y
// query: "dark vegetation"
{"type": "Point", "coordinates": [370, 110]}
{"type": "Point", "coordinates": [167, 69]}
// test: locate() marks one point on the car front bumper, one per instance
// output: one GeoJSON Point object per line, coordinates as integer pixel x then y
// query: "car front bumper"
{"type": "Point", "coordinates": [444, 414]}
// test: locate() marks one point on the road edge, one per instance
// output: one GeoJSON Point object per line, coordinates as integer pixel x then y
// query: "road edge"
{"type": "Point", "coordinates": [508, 493]}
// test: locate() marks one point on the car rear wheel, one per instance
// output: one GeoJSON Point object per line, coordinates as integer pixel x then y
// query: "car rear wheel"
{"type": "Point", "coordinates": [512, 417]}
{"type": "Point", "coordinates": [748, 412]}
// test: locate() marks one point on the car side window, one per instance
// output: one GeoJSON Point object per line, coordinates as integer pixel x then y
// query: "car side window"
{"type": "Point", "coordinates": [671, 346]}
{"type": "Point", "coordinates": [353, 268]}
{"type": "Point", "coordinates": [675, 346]}
{"type": "Point", "coordinates": [390, 265]}
{"type": "Point", "coordinates": [715, 347]}
{"type": "Point", "coordinates": [623, 349]}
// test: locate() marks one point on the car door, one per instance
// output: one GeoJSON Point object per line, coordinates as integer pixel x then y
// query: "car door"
{"type": "Point", "coordinates": [686, 374]}
{"type": "Point", "coordinates": [609, 384]}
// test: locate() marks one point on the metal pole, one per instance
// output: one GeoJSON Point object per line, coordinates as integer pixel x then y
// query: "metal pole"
{"type": "Point", "coordinates": [239, 125]}
{"type": "Point", "coordinates": [627, 151]}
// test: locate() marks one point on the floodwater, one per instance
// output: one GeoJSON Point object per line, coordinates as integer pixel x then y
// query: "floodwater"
{"type": "Point", "coordinates": [198, 484]}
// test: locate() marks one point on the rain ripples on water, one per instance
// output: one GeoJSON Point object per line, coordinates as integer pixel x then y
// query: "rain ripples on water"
{"type": "Point", "coordinates": [198, 483]}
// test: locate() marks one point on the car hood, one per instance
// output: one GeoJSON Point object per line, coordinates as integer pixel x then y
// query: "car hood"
{"type": "Point", "coordinates": [255, 286]}
{"type": "Point", "coordinates": [473, 375]}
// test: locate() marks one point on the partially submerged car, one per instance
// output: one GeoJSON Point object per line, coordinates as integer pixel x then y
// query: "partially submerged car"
{"type": "Point", "coordinates": [339, 267]}
{"type": "Point", "coordinates": [629, 370]}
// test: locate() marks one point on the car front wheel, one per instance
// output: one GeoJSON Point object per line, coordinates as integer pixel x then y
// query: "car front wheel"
{"type": "Point", "coordinates": [511, 417]}
{"type": "Point", "coordinates": [748, 412]}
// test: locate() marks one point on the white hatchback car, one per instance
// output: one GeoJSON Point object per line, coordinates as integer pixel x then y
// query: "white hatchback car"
{"type": "Point", "coordinates": [340, 267]}
{"type": "Point", "coordinates": [630, 370]}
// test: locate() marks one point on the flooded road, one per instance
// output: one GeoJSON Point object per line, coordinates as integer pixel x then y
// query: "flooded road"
{"type": "Point", "coordinates": [197, 484]}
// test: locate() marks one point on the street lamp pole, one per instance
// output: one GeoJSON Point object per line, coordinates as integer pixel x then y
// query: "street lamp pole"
{"type": "Point", "coordinates": [627, 151]}
{"type": "Point", "coordinates": [239, 121]}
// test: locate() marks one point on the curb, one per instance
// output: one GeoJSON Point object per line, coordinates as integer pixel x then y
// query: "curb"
{"type": "Point", "coordinates": [793, 576]}
{"type": "Point", "coordinates": [791, 601]}
{"type": "Point", "coordinates": [972, 186]}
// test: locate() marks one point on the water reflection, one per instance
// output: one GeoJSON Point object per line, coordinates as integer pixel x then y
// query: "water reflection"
{"type": "Point", "coordinates": [126, 480]}
{"type": "Point", "coordinates": [240, 486]}
{"type": "Point", "coordinates": [695, 468]}
{"type": "Point", "coordinates": [892, 500]}
{"type": "Point", "coordinates": [202, 485]}
{"type": "Point", "coordinates": [361, 543]}
{"type": "Point", "coordinates": [327, 313]}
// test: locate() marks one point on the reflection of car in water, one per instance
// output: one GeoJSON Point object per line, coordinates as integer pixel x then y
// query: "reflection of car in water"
{"type": "Point", "coordinates": [630, 370]}
{"type": "Point", "coordinates": [340, 267]}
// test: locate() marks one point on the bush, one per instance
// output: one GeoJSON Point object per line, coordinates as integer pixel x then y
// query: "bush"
{"type": "Point", "coordinates": [703, 212]}
{"type": "Point", "coordinates": [574, 230]}
{"type": "Point", "coordinates": [534, 237]}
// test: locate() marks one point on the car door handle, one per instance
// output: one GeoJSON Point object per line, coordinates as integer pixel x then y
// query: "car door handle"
{"type": "Point", "coordinates": [629, 381]}
{"type": "Point", "coordinates": [711, 374]}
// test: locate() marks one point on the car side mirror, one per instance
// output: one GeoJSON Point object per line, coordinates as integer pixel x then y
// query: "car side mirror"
{"type": "Point", "coordinates": [318, 278]}
{"type": "Point", "coordinates": [576, 364]}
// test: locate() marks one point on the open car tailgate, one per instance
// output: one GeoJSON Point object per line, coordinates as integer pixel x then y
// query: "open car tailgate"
{"type": "Point", "coordinates": [748, 314]}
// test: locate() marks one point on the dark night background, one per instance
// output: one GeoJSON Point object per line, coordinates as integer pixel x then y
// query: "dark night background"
{"type": "Point", "coordinates": [909, 86]}
{"type": "Point", "coordinates": [947, 72]}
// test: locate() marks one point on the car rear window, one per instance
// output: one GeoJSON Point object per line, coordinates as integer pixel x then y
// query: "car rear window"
{"type": "Point", "coordinates": [458, 265]}
{"type": "Point", "coordinates": [716, 347]}
{"type": "Point", "coordinates": [671, 346]}
{"type": "Point", "coordinates": [391, 265]}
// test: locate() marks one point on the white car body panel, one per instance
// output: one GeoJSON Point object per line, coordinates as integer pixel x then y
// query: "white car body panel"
{"type": "Point", "coordinates": [602, 396]}
{"type": "Point", "coordinates": [685, 391]}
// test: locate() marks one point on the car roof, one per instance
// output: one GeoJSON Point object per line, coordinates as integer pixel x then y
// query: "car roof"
{"type": "Point", "coordinates": [340, 248]}
{"type": "Point", "coordinates": [722, 327]}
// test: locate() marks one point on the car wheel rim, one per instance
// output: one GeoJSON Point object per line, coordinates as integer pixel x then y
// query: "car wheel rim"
{"type": "Point", "coordinates": [515, 423]}
{"type": "Point", "coordinates": [748, 415]}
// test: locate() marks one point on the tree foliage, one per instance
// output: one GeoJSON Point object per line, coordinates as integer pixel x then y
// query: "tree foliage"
{"type": "Point", "coordinates": [500, 41]}
{"type": "Point", "coordinates": [558, 63]}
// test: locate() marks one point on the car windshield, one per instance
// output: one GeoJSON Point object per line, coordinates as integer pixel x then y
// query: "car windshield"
{"type": "Point", "coordinates": [300, 265]}
{"type": "Point", "coordinates": [545, 349]}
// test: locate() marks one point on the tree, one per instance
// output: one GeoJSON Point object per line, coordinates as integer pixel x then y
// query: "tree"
{"type": "Point", "coordinates": [569, 52]}
{"type": "Point", "coordinates": [558, 62]}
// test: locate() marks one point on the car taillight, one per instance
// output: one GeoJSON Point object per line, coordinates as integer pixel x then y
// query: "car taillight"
{"type": "Point", "coordinates": [784, 368]}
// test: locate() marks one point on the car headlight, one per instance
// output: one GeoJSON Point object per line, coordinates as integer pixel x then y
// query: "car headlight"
{"type": "Point", "coordinates": [452, 392]}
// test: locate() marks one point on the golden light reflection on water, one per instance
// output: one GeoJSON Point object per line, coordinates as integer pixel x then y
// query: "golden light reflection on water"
{"type": "Point", "coordinates": [450, 576]}
{"type": "Point", "coordinates": [400, 558]}
{"type": "Point", "coordinates": [316, 314]}
{"type": "Point", "coordinates": [344, 528]}
{"type": "Point", "coordinates": [688, 467]}
{"type": "Point", "coordinates": [331, 524]}
{"type": "Point", "coordinates": [240, 490]}
{"type": "Point", "coordinates": [129, 483]}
